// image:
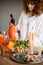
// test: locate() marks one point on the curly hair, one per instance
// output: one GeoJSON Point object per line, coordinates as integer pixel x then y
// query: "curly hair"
{"type": "Point", "coordinates": [35, 2]}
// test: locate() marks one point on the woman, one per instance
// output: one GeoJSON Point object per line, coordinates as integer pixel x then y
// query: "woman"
{"type": "Point", "coordinates": [31, 24]}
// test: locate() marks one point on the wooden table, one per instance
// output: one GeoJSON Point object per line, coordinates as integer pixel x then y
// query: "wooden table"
{"type": "Point", "coordinates": [8, 61]}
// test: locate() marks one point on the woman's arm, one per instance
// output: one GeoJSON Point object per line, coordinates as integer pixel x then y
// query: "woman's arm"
{"type": "Point", "coordinates": [39, 32]}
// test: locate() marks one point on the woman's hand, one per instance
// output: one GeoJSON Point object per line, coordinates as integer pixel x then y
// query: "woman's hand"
{"type": "Point", "coordinates": [31, 37]}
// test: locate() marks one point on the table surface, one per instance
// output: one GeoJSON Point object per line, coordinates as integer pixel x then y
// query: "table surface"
{"type": "Point", "coordinates": [8, 61]}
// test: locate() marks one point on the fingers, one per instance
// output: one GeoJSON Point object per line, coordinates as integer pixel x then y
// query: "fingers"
{"type": "Point", "coordinates": [31, 36]}
{"type": "Point", "coordinates": [31, 43]}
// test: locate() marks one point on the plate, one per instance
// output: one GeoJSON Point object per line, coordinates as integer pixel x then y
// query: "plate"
{"type": "Point", "coordinates": [17, 58]}
{"type": "Point", "coordinates": [21, 59]}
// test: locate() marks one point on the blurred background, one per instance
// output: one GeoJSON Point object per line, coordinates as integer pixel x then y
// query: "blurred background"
{"type": "Point", "coordinates": [8, 7]}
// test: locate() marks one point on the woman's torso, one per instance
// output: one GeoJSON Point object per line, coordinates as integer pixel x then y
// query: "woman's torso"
{"type": "Point", "coordinates": [27, 25]}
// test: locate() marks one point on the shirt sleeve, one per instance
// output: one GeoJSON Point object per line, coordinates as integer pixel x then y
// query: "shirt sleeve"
{"type": "Point", "coordinates": [40, 29]}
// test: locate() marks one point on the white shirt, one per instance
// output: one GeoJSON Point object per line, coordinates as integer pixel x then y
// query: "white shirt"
{"type": "Point", "coordinates": [31, 24]}
{"type": "Point", "coordinates": [23, 21]}
{"type": "Point", "coordinates": [39, 31]}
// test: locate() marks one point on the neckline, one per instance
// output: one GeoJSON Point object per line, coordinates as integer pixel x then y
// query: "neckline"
{"type": "Point", "coordinates": [31, 17]}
